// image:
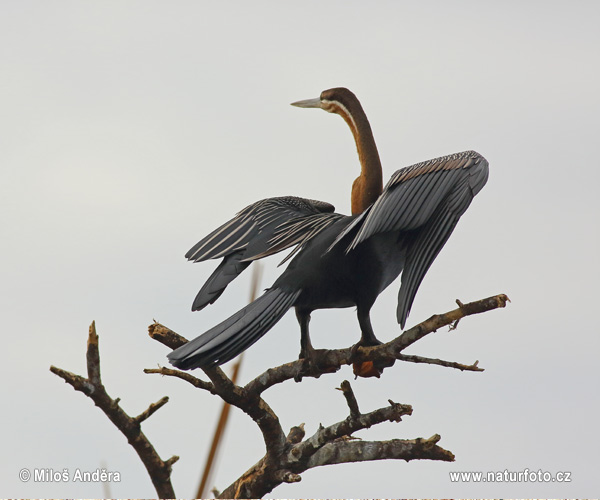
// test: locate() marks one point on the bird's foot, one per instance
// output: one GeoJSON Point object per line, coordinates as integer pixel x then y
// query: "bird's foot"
{"type": "Point", "coordinates": [313, 364]}
{"type": "Point", "coordinates": [367, 369]}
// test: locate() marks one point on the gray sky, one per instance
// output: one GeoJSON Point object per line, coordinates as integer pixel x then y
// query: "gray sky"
{"type": "Point", "coordinates": [129, 130]}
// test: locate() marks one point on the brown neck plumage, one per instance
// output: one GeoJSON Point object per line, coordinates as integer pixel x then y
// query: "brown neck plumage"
{"type": "Point", "coordinates": [367, 187]}
{"type": "Point", "coordinates": [369, 184]}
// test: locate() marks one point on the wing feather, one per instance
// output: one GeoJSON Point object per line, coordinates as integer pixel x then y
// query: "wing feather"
{"type": "Point", "coordinates": [263, 228]}
{"type": "Point", "coordinates": [255, 221]}
{"type": "Point", "coordinates": [413, 193]}
{"type": "Point", "coordinates": [423, 203]}
{"type": "Point", "coordinates": [419, 258]}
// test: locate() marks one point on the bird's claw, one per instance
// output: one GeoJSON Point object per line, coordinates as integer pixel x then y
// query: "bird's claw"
{"type": "Point", "coordinates": [313, 364]}
{"type": "Point", "coordinates": [367, 369]}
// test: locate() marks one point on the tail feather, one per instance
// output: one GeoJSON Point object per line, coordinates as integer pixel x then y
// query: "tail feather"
{"type": "Point", "coordinates": [234, 335]}
{"type": "Point", "coordinates": [228, 270]}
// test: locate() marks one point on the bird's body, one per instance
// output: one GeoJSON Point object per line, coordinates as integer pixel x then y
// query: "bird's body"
{"type": "Point", "coordinates": [339, 261]}
{"type": "Point", "coordinates": [333, 279]}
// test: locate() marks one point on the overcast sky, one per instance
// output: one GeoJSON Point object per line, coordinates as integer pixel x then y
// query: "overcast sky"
{"type": "Point", "coordinates": [129, 130]}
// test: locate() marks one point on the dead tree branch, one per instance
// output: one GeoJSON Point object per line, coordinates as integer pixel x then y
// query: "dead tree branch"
{"type": "Point", "coordinates": [334, 445]}
{"type": "Point", "coordinates": [286, 457]}
{"type": "Point", "coordinates": [333, 360]}
{"type": "Point", "coordinates": [433, 361]}
{"type": "Point", "coordinates": [347, 427]}
{"type": "Point", "coordinates": [159, 470]}
{"type": "Point", "coordinates": [350, 398]}
{"type": "Point", "coordinates": [196, 382]}
{"type": "Point", "coordinates": [249, 402]}
{"type": "Point", "coordinates": [398, 449]}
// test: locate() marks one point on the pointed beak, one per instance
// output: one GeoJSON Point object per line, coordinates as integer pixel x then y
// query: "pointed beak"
{"type": "Point", "coordinates": [309, 103]}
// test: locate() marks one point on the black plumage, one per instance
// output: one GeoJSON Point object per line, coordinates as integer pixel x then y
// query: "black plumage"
{"type": "Point", "coordinates": [339, 260]}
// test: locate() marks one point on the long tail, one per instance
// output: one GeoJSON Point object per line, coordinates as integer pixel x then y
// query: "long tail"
{"type": "Point", "coordinates": [234, 335]}
{"type": "Point", "coordinates": [231, 267]}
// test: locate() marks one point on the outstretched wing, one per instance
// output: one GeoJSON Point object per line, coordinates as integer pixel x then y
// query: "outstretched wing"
{"type": "Point", "coordinates": [295, 231]}
{"type": "Point", "coordinates": [263, 228]}
{"type": "Point", "coordinates": [423, 203]}
{"type": "Point", "coordinates": [259, 219]}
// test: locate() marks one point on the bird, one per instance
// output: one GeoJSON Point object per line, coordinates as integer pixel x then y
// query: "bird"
{"type": "Point", "coordinates": [338, 260]}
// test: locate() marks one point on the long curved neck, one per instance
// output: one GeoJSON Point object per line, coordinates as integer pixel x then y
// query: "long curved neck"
{"type": "Point", "coordinates": [369, 184]}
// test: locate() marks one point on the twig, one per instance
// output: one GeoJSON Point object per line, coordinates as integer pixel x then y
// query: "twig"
{"type": "Point", "coordinates": [196, 382]}
{"type": "Point", "coordinates": [433, 361]}
{"type": "Point", "coordinates": [151, 410]}
{"type": "Point", "coordinates": [350, 399]}
{"type": "Point", "coordinates": [166, 336]}
{"type": "Point", "coordinates": [158, 470]}
{"type": "Point", "coordinates": [440, 320]}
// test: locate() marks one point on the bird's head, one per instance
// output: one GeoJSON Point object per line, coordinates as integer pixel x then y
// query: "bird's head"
{"type": "Point", "coordinates": [338, 100]}
{"type": "Point", "coordinates": [368, 186]}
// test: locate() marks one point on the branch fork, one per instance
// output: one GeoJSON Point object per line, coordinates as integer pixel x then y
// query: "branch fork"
{"type": "Point", "coordinates": [286, 456]}
{"type": "Point", "coordinates": [159, 470]}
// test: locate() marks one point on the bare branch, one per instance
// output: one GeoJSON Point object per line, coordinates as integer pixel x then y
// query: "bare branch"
{"type": "Point", "coordinates": [440, 320]}
{"type": "Point", "coordinates": [287, 457]}
{"type": "Point", "coordinates": [254, 406]}
{"type": "Point", "coordinates": [159, 470]}
{"type": "Point", "coordinates": [250, 403]}
{"type": "Point", "coordinates": [196, 382]}
{"type": "Point", "coordinates": [93, 356]}
{"type": "Point", "coordinates": [332, 360]}
{"type": "Point", "coordinates": [398, 449]}
{"type": "Point", "coordinates": [281, 373]}
{"type": "Point", "coordinates": [350, 398]}
{"type": "Point", "coordinates": [433, 361]}
{"type": "Point", "coordinates": [310, 446]}
{"type": "Point", "coordinates": [296, 434]}
{"type": "Point", "coordinates": [166, 336]}
{"type": "Point", "coordinates": [333, 444]}
{"type": "Point", "coordinates": [151, 410]}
